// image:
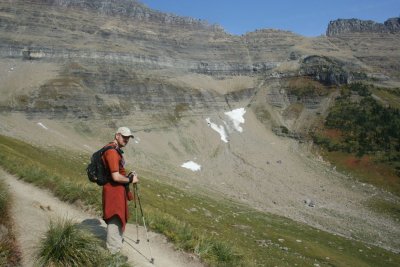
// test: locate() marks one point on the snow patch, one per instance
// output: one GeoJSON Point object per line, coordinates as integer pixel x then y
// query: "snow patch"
{"type": "Point", "coordinates": [42, 125]}
{"type": "Point", "coordinates": [191, 166]}
{"type": "Point", "coordinates": [219, 129]}
{"type": "Point", "coordinates": [236, 116]}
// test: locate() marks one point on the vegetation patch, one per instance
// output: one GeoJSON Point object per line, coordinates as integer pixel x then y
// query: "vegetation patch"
{"type": "Point", "coordinates": [66, 244]}
{"type": "Point", "coordinates": [389, 96]}
{"type": "Point", "coordinates": [386, 208]}
{"type": "Point", "coordinates": [306, 87]}
{"type": "Point", "coordinates": [9, 251]}
{"type": "Point", "coordinates": [365, 170]}
{"type": "Point", "coordinates": [262, 114]}
{"type": "Point", "coordinates": [359, 126]}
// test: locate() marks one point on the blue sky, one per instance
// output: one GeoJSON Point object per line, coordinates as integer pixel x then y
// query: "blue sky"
{"type": "Point", "coordinates": [305, 17]}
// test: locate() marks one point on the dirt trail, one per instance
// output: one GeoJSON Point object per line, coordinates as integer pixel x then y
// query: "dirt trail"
{"type": "Point", "coordinates": [33, 208]}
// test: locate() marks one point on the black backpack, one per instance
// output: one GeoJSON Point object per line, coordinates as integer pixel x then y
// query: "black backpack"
{"type": "Point", "coordinates": [96, 171]}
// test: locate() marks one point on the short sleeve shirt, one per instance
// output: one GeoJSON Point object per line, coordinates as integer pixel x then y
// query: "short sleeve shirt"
{"type": "Point", "coordinates": [114, 160]}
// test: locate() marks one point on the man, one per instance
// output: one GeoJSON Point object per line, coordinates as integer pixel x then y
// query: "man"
{"type": "Point", "coordinates": [116, 192]}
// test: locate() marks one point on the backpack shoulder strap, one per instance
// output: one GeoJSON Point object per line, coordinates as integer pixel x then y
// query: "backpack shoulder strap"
{"type": "Point", "coordinates": [104, 149]}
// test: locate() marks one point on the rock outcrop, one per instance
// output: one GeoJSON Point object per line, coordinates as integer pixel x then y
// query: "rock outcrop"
{"type": "Point", "coordinates": [131, 9]}
{"type": "Point", "coordinates": [325, 70]}
{"type": "Point", "coordinates": [348, 26]}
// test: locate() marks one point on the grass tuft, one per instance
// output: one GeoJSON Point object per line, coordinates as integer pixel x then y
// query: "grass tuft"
{"type": "Point", "coordinates": [67, 244]}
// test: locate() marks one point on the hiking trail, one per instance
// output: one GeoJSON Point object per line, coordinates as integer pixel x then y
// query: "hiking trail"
{"type": "Point", "coordinates": [33, 208]}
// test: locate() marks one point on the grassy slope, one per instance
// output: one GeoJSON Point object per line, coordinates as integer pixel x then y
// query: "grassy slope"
{"type": "Point", "coordinates": [241, 236]}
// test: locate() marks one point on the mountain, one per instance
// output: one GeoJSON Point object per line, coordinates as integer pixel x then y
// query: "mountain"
{"type": "Point", "coordinates": [74, 70]}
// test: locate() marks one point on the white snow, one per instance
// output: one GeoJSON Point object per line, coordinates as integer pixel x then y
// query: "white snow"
{"type": "Point", "coordinates": [191, 166]}
{"type": "Point", "coordinates": [219, 129]}
{"type": "Point", "coordinates": [236, 116]}
{"type": "Point", "coordinates": [42, 125]}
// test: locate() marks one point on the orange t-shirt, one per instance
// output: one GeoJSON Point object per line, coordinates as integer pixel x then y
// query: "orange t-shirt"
{"type": "Point", "coordinates": [115, 202]}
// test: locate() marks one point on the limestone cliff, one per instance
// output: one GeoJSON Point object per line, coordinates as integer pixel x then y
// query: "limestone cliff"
{"type": "Point", "coordinates": [115, 58]}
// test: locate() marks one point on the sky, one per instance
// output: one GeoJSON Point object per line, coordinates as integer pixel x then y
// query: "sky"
{"type": "Point", "coordinates": [304, 17]}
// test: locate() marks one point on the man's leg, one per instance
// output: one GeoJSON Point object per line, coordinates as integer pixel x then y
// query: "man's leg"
{"type": "Point", "coordinates": [114, 235]}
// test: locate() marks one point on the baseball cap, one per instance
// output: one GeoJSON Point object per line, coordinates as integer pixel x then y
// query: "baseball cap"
{"type": "Point", "coordinates": [124, 131]}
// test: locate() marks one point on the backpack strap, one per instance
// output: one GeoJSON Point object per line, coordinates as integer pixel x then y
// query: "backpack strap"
{"type": "Point", "coordinates": [104, 149]}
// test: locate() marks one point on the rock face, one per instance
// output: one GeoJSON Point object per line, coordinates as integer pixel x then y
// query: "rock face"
{"type": "Point", "coordinates": [325, 70]}
{"type": "Point", "coordinates": [348, 26]}
{"type": "Point", "coordinates": [131, 9]}
{"type": "Point", "coordinates": [370, 42]}
{"type": "Point", "coordinates": [117, 58]}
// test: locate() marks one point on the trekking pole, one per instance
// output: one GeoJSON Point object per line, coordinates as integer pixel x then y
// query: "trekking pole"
{"type": "Point", "coordinates": [136, 189]}
{"type": "Point", "coordinates": [136, 217]}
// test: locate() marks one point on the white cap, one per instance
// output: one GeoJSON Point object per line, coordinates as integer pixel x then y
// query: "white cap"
{"type": "Point", "coordinates": [124, 131]}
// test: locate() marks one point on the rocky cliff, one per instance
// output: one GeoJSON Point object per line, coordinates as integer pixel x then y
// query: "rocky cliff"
{"type": "Point", "coordinates": [348, 26]}
{"type": "Point", "coordinates": [374, 44]}
{"type": "Point", "coordinates": [112, 55]}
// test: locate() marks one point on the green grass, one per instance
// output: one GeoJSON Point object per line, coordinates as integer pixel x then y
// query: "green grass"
{"type": "Point", "coordinates": [257, 235]}
{"type": "Point", "coordinates": [9, 251]}
{"type": "Point", "coordinates": [390, 96]}
{"type": "Point", "coordinates": [66, 244]}
{"type": "Point", "coordinates": [386, 208]}
{"type": "Point", "coordinates": [221, 232]}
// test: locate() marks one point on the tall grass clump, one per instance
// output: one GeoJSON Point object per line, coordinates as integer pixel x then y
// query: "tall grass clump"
{"type": "Point", "coordinates": [9, 252]}
{"type": "Point", "coordinates": [67, 244]}
{"type": "Point", "coordinates": [217, 253]}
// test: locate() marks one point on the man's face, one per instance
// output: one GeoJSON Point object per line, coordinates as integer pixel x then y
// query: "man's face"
{"type": "Point", "coordinates": [122, 140]}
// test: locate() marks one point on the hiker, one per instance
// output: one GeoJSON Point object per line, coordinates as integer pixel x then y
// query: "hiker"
{"type": "Point", "coordinates": [116, 192]}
